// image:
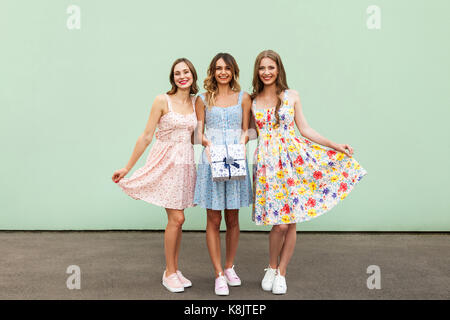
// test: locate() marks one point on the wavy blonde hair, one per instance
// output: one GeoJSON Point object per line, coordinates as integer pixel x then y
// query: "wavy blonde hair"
{"type": "Point", "coordinates": [210, 83]}
{"type": "Point", "coordinates": [281, 82]}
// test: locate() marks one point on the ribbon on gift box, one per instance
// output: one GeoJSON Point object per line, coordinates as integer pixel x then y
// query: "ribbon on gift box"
{"type": "Point", "coordinates": [229, 161]}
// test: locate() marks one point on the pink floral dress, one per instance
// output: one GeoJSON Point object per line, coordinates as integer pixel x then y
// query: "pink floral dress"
{"type": "Point", "coordinates": [168, 177]}
{"type": "Point", "coordinates": [294, 179]}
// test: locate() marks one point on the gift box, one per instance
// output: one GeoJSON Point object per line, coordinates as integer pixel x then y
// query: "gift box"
{"type": "Point", "coordinates": [227, 162]}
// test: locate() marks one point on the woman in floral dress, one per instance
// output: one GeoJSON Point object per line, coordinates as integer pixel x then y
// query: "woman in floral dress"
{"type": "Point", "coordinates": [295, 179]}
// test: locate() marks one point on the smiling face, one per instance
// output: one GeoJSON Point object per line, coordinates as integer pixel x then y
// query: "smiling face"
{"type": "Point", "coordinates": [268, 71]}
{"type": "Point", "coordinates": [223, 72]}
{"type": "Point", "coordinates": [182, 75]}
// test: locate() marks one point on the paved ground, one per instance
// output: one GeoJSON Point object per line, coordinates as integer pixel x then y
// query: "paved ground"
{"type": "Point", "coordinates": [129, 265]}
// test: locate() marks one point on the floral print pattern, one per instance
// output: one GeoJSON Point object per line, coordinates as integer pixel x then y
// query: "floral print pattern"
{"type": "Point", "coordinates": [295, 180]}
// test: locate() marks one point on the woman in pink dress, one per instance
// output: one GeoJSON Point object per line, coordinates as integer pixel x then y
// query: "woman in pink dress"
{"type": "Point", "coordinates": [168, 177]}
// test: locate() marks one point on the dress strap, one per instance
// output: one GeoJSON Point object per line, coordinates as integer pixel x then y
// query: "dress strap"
{"type": "Point", "coordinates": [202, 96]}
{"type": "Point", "coordinates": [169, 103]}
{"type": "Point", "coordinates": [194, 99]}
{"type": "Point", "coordinates": [240, 97]}
{"type": "Point", "coordinates": [285, 96]}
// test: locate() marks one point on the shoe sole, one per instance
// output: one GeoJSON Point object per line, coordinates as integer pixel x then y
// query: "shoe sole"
{"type": "Point", "coordinates": [278, 292]}
{"type": "Point", "coordinates": [172, 289]}
{"type": "Point", "coordinates": [233, 284]}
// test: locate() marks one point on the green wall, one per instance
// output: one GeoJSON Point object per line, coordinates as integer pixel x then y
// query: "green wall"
{"type": "Point", "coordinates": [73, 102]}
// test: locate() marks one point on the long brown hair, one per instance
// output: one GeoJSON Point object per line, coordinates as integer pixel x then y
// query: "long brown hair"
{"type": "Point", "coordinates": [210, 83]}
{"type": "Point", "coordinates": [281, 82]}
{"type": "Point", "coordinates": [194, 87]}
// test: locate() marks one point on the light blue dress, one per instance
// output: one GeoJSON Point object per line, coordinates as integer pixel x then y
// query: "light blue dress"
{"type": "Point", "coordinates": [222, 126]}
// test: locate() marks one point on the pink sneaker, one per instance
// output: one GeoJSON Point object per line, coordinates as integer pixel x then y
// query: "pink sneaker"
{"type": "Point", "coordinates": [172, 283]}
{"type": "Point", "coordinates": [221, 286]}
{"type": "Point", "coordinates": [232, 278]}
{"type": "Point", "coordinates": [184, 281]}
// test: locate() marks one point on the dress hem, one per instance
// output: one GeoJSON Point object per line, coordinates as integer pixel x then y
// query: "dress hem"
{"type": "Point", "coordinates": [205, 207]}
{"type": "Point", "coordinates": [158, 203]}
{"type": "Point", "coordinates": [309, 218]}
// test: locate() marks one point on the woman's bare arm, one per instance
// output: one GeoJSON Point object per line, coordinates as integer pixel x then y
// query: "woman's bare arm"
{"type": "Point", "coordinates": [194, 133]}
{"type": "Point", "coordinates": [200, 136]}
{"type": "Point", "coordinates": [310, 133]}
{"type": "Point", "coordinates": [200, 112]}
{"type": "Point", "coordinates": [246, 115]}
{"type": "Point", "coordinates": [157, 111]}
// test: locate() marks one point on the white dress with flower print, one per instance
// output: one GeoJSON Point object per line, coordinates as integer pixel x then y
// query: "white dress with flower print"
{"type": "Point", "coordinates": [295, 180]}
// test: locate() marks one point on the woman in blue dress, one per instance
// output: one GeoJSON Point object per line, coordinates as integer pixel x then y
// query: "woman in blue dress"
{"type": "Point", "coordinates": [220, 113]}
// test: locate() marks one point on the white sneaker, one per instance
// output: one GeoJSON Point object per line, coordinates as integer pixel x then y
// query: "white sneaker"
{"type": "Point", "coordinates": [232, 278]}
{"type": "Point", "coordinates": [279, 284]}
{"type": "Point", "coordinates": [267, 281]}
{"type": "Point", "coordinates": [221, 287]}
{"type": "Point", "coordinates": [172, 283]}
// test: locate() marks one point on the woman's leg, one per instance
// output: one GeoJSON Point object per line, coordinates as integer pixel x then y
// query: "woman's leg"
{"type": "Point", "coordinates": [177, 249]}
{"type": "Point", "coordinates": [288, 248]}
{"type": "Point", "coordinates": [172, 238]}
{"type": "Point", "coordinates": [276, 240]}
{"type": "Point", "coordinates": [214, 217]}
{"type": "Point", "coordinates": [232, 237]}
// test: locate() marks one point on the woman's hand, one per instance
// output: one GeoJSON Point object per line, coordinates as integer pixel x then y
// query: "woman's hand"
{"type": "Point", "coordinates": [343, 148]}
{"type": "Point", "coordinates": [208, 154]}
{"type": "Point", "coordinates": [119, 174]}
